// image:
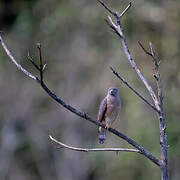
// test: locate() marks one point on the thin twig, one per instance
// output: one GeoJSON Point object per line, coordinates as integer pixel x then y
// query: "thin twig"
{"type": "Point", "coordinates": [112, 27]}
{"type": "Point", "coordinates": [14, 61]}
{"type": "Point", "coordinates": [106, 7]}
{"type": "Point", "coordinates": [32, 61]}
{"type": "Point", "coordinates": [82, 114]}
{"type": "Point", "coordinates": [133, 89]}
{"type": "Point", "coordinates": [152, 49]}
{"type": "Point", "coordinates": [44, 67]}
{"type": "Point", "coordinates": [92, 149]}
{"type": "Point", "coordinates": [40, 61]}
{"type": "Point", "coordinates": [125, 10]}
{"type": "Point", "coordinates": [147, 52]}
{"type": "Point", "coordinates": [111, 11]}
{"type": "Point", "coordinates": [162, 122]}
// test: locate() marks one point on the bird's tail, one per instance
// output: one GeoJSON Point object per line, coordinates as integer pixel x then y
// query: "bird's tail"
{"type": "Point", "coordinates": [102, 135]}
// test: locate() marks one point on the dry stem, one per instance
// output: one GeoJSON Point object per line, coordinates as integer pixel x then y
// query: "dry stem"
{"type": "Point", "coordinates": [94, 149]}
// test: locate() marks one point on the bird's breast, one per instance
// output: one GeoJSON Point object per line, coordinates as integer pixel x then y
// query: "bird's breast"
{"type": "Point", "coordinates": [113, 107]}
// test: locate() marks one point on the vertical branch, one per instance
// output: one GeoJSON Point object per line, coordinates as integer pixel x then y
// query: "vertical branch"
{"type": "Point", "coordinates": [14, 60]}
{"type": "Point", "coordinates": [162, 121]}
{"type": "Point", "coordinates": [161, 116]}
{"type": "Point", "coordinates": [40, 62]}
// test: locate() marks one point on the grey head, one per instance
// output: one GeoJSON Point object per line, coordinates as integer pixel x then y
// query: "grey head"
{"type": "Point", "coordinates": [113, 91]}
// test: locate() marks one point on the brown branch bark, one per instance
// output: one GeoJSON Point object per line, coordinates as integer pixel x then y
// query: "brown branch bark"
{"type": "Point", "coordinates": [75, 111]}
{"type": "Point", "coordinates": [92, 149]}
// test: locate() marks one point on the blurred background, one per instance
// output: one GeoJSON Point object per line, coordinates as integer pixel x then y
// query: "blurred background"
{"type": "Point", "coordinates": [79, 48]}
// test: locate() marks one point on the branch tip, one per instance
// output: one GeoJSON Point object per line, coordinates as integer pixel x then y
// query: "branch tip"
{"type": "Point", "coordinates": [152, 49]}
{"type": "Point", "coordinates": [106, 7]}
{"type": "Point", "coordinates": [38, 45]}
{"type": "Point", "coordinates": [32, 61]}
{"type": "Point", "coordinates": [111, 68]}
{"type": "Point", "coordinates": [126, 9]}
{"type": "Point", "coordinates": [143, 48]}
{"type": "Point", "coordinates": [44, 67]}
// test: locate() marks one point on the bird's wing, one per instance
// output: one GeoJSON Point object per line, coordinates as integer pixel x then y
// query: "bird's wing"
{"type": "Point", "coordinates": [102, 110]}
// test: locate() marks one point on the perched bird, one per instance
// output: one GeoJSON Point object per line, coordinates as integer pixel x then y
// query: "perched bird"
{"type": "Point", "coordinates": [108, 111]}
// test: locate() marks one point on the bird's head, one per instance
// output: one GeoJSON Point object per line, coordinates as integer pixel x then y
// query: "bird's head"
{"type": "Point", "coordinates": [113, 92]}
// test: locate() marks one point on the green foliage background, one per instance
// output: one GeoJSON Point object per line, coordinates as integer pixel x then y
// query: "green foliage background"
{"type": "Point", "coordinates": [79, 48]}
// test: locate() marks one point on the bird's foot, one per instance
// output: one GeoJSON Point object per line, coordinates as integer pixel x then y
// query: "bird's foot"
{"type": "Point", "coordinates": [107, 126]}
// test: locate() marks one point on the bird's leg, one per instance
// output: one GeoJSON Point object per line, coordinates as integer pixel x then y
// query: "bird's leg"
{"type": "Point", "coordinates": [107, 125]}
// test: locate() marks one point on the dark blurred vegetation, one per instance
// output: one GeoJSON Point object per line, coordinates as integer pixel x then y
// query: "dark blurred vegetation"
{"type": "Point", "coordinates": [79, 48]}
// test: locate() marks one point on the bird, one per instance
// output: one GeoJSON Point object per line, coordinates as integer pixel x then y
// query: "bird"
{"type": "Point", "coordinates": [108, 112]}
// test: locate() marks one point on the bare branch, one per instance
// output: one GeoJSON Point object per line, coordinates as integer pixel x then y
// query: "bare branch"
{"type": "Point", "coordinates": [155, 61]}
{"type": "Point", "coordinates": [125, 10]}
{"type": "Point", "coordinates": [32, 61]}
{"type": "Point", "coordinates": [148, 53]}
{"type": "Point", "coordinates": [152, 49]}
{"type": "Point", "coordinates": [152, 53]}
{"type": "Point", "coordinates": [133, 89]}
{"type": "Point", "coordinates": [44, 67]}
{"type": "Point", "coordinates": [141, 76]}
{"type": "Point", "coordinates": [111, 11]}
{"type": "Point", "coordinates": [93, 149]}
{"type": "Point", "coordinates": [82, 114]}
{"type": "Point", "coordinates": [106, 7]}
{"type": "Point", "coordinates": [14, 61]}
{"type": "Point", "coordinates": [131, 60]}
{"type": "Point", "coordinates": [112, 25]}
{"type": "Point", "coordinates": [162, 122]}
{"type": "Point", "coordinates": [41, 66]}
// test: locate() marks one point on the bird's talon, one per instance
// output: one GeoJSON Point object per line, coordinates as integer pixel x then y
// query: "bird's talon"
{"type": "Point", "coordinates": [107, 126]}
